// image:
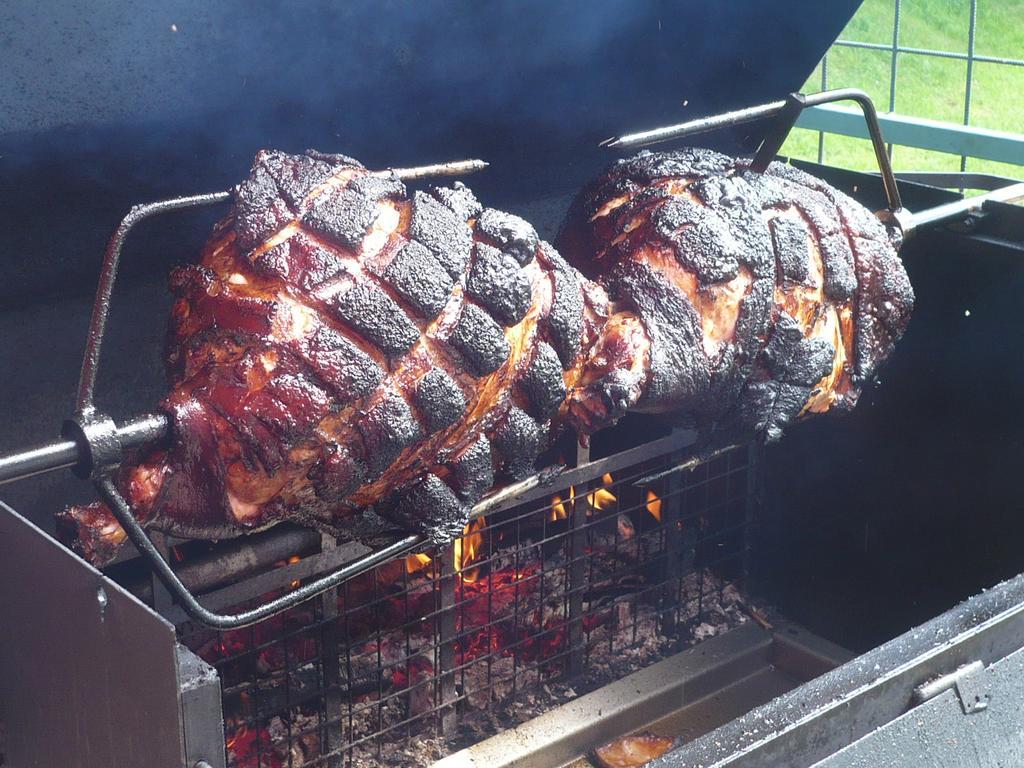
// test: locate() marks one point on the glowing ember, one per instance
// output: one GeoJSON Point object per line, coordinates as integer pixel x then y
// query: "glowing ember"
{"type": "Point", "coordinates": [292, 561]}
{"type": "Point", "coordinates": [248, 747]}
{"type": "Point", "coordinates": [654, 505]}
{"type": "Point", "coordinates": [467, 548]}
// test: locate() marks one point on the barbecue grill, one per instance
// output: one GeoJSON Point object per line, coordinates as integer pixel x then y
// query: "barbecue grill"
{"type": "Point", "coordinates": [716, 594]}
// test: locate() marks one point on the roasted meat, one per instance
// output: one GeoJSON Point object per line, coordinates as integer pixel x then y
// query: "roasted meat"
{"type": "Point", "coordinates": [764, 297]}
{"type": "Point", "coordinates": [344, 348]}
{"type": "Point", "coordinates": [350, 356]}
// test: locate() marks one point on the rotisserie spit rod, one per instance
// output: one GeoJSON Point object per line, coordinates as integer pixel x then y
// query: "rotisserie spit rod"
{"type": "Point", "coordinates": [345, 350]}
{"type": "Point", "coordinates": [75, 454]}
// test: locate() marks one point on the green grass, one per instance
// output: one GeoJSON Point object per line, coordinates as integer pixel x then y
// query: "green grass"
{"type": "Point", "coordinates": [926, 86]}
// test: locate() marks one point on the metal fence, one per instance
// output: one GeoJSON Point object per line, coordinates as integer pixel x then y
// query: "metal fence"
{"type": "Point", "coordinates": [965, 140]}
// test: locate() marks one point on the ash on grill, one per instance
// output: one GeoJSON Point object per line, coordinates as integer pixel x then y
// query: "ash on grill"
{"type": "Point", "coordinates": [532, 607]}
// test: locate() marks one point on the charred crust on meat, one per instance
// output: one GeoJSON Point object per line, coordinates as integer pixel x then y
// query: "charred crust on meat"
{"type": "Point", "coordinates": [333, 158]}
{"type": "Point", "coordinates": [480, 340]}
{"type": "Point", "coordinates": [417, 277]}
{"type": "Point", "coordinates": [840, 275]}
{"type": "Point", "coordinates": [739, 203]}
{"type": "Point", "coordinates": [678, 368]}
{"type": "Point", "coordinates": [276, 190]}
{"type": "Point", "coordinates": [387, 428]}
{"type": "Point", "coordinates": [755, 315]}
{"type": "Point", "coordinates": [564, 322]}
{"type": "Point", "coordinates": [647, 166]}
{"type": "Point", "coordinates": [499, 284]}
{"type": "Point", "coordinates": [348, 370]}
{"type": "Point", "coordinates": [472, 471]}
{"type": "Point", "coordinates": [281, 406]}
{"type": "Point", "coordinates": [274, 262]}
{"type": "Point", "coordinates": [702, 240]}
{"type": "Point", "coordinates": [337, 474]}
{"type": "Point", "coordinates": [377, 318]}
{"type": "Point", "coordinates": [511, 234]}
{"type": "Point", "coordinates": [429, 506]}
{"type": "Point", "coordinates": [444, 234]}
{"type": "Point", "coordinates": [259, 210]}
{"type": "Point", "coordinates": [618, 392]}
{"type": "Point", "coordinates": [792, 358]}
{"type": "Point", "coordinates": [789, 238]}
{"type": "Point", "coordinates": [768, 407]}
{"type": "Point", "coordinates": [459, 199]}
{"type": "Point", "coordinates": [378, 186]}
{"type": "Point", "coordinates": [884, 302]}
{"type": "Point", "coordinates": [295, 176]}
{"type": "Point", "coordinates": [299, 261]}
{"type": "Point", "coordinates": [773, 224]}
{"type": "Point", "coordinates": [191, 279]}
{"type": "Point", "coordinates": [439, 400]}
{"type": "Point", "coordinates": [517, 441]}
{"type": "Point", "coordinates": [341, 215]}
{"type": "Point", "coordinates": [543, 381]}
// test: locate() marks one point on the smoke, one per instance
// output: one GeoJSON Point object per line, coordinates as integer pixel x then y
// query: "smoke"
{"type": "Point", "coordinates": [107, 103]}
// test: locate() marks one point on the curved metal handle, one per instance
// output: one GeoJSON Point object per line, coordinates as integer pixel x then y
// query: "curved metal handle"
{"type": "Point", "coordinates": [191, 605]}
{"type": "Point", "coordinates": [108, 274]}
{"type": "Point", "coordinates": [119, 506]}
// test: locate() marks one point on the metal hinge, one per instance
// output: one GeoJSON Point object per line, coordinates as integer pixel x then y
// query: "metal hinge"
{"type": "Point", "coordinates": [968, 683]}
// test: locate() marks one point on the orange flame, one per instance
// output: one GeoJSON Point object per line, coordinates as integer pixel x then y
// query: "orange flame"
{"type": "Point", "coordinates": [559, 508]}
{"type": "Point", "coordinates": [242, 731]}
{"type": "Point", "coordinates": [414, 563]}
{"type": "Point", "coordinates": [292, 561]}
{"type": "Point", "coordinates": [467, 548]}
{"type": "Point", "coordinates": [599, 500]}
{"type": "Point", "coordinates": [602, 498]}
{"type": "Point", "coordinates": [654, 505]}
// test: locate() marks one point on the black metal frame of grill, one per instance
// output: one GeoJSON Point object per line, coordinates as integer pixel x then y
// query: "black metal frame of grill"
{"type": "Point", "coordinates": [347, 686]}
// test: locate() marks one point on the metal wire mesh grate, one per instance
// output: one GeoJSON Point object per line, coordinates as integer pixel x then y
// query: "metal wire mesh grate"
{"type": "Point", "coordinates": [545, 599]}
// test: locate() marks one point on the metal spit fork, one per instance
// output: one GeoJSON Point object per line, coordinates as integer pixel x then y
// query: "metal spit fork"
{"type": "Point", "coordinates": [784, 114]}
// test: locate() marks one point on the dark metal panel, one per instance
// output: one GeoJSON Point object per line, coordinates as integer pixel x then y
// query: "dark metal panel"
{"type": "Point", "coordinates": [201, 711]}
{"type": "Point", "coordinates": [825, 715]}
{"type": "Point", "coordinates": [939, 733]}
{"type": "Point", "coordinates": [89, 674]}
